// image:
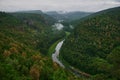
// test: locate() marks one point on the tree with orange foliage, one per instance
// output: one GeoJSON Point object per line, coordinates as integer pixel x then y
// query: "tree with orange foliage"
{"type": "Point", "coordinates": [7, 53]}
{"type": "Point", "coordinates": [35, 72]}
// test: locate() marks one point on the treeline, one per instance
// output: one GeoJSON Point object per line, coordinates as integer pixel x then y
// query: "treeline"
{"type": "Point", "coordinates": [94, 45]}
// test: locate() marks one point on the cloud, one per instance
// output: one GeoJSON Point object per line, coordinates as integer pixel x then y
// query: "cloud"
{"type": "Point", "coordinates": [64, 5]}
{"type": "Point", "coordinates": [117, 0]}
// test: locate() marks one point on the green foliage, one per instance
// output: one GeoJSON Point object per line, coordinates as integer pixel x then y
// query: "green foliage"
{"type": "Point", "coordinates": [114, 58]}
{"type": "Point", "coordinates": [62, 74]}
{"type": "Point", "coordinates": [22, 46]}
{"type": "Point", "coordinates": [92, 40]}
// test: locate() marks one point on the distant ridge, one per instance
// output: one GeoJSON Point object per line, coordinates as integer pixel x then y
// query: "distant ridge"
{"type": "Point", "coordinates": [30, 11]}
{"type": "Point", "coordinates": [68, 16]}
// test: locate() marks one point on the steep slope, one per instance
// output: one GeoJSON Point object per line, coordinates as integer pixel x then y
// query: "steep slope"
{"type": "Point", "coordinates": [94, 45]}
{"type": "Point", "coordinates": [20, 56]}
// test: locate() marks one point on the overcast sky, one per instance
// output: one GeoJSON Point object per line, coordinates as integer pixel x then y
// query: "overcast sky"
{"type": "Point", "coordinates": [58, 5]}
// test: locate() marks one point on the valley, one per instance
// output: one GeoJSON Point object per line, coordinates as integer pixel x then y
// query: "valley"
{"type": "Point", "coordinates": [36, 45]}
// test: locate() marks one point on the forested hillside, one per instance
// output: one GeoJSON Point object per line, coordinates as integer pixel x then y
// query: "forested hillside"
{"type": "Point", "coordinates": [94, 45]}
{"type": "Point", "coordinates": [24, 42]}
{"type": "Point", "coordinates": [41, 29]}
{"type": "Point", "coordinates": [49, 20]}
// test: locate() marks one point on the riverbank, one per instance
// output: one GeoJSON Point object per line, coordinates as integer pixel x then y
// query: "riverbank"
{"type": "Point", "coordinates": [51, 50]}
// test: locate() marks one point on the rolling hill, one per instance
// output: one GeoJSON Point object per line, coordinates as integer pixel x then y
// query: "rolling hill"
{"type": "Point", "coordinates": [24, 41]}
{"type": "Point", "coordinates": [94, 45]}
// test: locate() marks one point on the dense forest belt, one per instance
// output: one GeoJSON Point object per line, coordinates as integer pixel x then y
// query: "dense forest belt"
{"type": "Point", "coordinates": [74, 70]}
{"type": "Point", "coordinates": [94, 45]}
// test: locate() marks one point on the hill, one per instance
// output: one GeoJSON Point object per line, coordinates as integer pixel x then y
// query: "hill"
{"type": "Point", "coordinates": [35, 24]}
{"type": "Point", "coordinates": [48, 18]}
{"type": "Point", "coordinates": [68, 16]}
{"type": "Point", "coordinates": [24, 41]}
{"type": "Point", "coordinates": [94, 45]}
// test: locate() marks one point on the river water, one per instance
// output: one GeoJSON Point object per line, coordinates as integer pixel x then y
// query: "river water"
{"type": "Point", "coordinates": [55, 56]}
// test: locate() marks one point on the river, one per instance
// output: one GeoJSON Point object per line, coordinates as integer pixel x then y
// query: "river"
{"type": "Point", "coordinates": [55, 55]}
